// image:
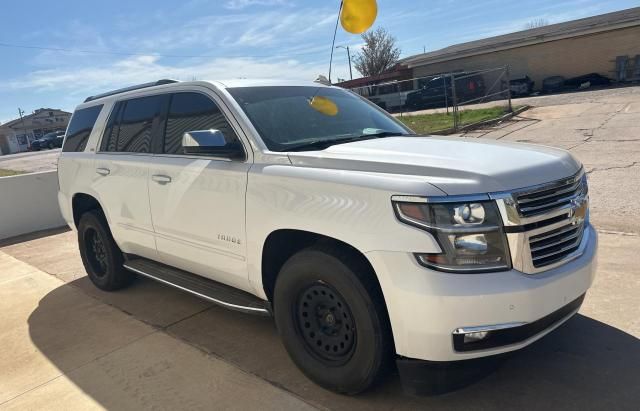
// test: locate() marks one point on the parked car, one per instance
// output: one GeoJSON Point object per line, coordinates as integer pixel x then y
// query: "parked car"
{"type": "Point", "coordinates": [521, 87]}
{"type": "Point", "coordinates": [48, 141]}
{"type": "Point", "coordinates": [367, 244]}
{"type": "Point", "coordinates": [553, 84]}
{"type": "Point", "coordinates": [437, 92]}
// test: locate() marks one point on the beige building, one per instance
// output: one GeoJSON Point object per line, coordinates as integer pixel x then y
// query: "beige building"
{"type": "Point", "coordinates": [16, 135]}
{"type": "Point", "coordinates": [608, 44]}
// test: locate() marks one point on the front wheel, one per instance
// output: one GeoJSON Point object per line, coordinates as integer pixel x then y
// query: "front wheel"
{"type": "Point", "coordinates": [100, 254]}
{"type": "Point", "coordinates": [332, 320]}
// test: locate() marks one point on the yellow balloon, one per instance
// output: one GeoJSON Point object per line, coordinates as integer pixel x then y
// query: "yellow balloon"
{"type": "Point", "coordinates": [358, 15]}
{"type": "Point", "coordinates": [324, 105]}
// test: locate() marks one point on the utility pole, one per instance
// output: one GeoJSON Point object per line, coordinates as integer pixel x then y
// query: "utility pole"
{"type": "Point", "coordinates": [349, 57]}
{"type": "Point", "coordinates": [24, 128]}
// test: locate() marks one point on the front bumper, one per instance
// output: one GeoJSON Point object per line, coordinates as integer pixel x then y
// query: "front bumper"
{"type": "Point", "coordinates": [426, 306]}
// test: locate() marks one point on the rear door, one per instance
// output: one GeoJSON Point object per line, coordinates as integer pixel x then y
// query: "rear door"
{"type": "Point", "coordinates": [198, 202]}
{"type": "Point", "coordinates": [122, 171]}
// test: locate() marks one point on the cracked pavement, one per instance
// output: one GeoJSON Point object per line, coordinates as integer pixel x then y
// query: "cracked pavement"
{"type": "Point", "coordinates": [602, 129]}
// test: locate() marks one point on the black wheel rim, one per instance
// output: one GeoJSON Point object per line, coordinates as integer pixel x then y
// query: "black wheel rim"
{"type": "Point", "coordinates": [325, 323]}
{"type": "Point", "coordinates": [96, 252]}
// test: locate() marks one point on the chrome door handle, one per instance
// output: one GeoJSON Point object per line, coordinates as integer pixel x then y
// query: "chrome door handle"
{"type": "Point", "coordinates": [103, 171]}
{"type": "Point", "coordinates": [160, 179]}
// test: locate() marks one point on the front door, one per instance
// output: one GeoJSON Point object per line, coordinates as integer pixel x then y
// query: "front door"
{"type": "Point", "coordinates": [198, 202]}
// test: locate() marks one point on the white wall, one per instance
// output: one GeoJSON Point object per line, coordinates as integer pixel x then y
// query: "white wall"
{"type": "Point", "coordinates": [28, 203]}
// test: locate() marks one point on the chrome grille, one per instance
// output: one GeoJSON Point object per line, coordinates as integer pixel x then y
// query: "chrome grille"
{"type": "Point", "coordinates": [555, 245]}
{"type": "Point", "coordinates": [547, 198]}
{"type": "Point", "coordinates": [547, 224]}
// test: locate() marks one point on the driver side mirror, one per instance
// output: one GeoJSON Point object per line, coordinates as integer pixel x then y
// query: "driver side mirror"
{"type": "Point", "coordinates": [211, 143]}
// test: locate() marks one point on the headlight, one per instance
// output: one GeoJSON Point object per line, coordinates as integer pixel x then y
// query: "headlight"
{"type": "Point", "coordinates": [470, 234]}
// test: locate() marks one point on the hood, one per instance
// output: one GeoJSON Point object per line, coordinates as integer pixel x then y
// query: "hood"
{"type": "Point", "coordinates": [453, 164]}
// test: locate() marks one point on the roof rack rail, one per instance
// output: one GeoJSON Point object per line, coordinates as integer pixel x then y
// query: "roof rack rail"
{"type": "Point", "coordinates": [137, 87]}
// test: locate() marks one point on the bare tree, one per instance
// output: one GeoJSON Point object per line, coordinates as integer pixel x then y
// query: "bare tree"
{"type": "Point", "coordinates": [379, 53]}
{"type": "Point", "coordinates": [534, 24]}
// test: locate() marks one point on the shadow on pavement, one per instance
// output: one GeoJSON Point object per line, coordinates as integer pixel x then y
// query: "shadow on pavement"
{"type": "Point", "coordinates": [585, 364]}
{"type": "Point", "coordinates": [33, 236]}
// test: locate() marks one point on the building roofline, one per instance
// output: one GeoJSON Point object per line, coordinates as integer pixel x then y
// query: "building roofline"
{"type": "Point", "coordinates": [13, 122]}
{"type": "Point", "coordinates": [574, 28]}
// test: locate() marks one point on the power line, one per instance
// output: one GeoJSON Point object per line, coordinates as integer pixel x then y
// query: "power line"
{"type": "Point", "coordinates": [123, 53]}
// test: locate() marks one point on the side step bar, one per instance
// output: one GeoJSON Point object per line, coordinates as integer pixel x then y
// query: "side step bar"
{"type": "Point", "coordinates": [210, 290]}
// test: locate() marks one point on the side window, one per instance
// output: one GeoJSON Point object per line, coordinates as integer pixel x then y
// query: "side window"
{"type": "Point", "coordinates": [80, 128]}
{"type": "Point", "coordinates": [191, 112]}
{"type": "Point", "coordinates": [110, 134]}
{"type": "Point", "coordinates": [131, 130]}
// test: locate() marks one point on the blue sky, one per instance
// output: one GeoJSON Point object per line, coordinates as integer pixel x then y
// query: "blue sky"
{"type": "Point", "coordinates": [139, 41]}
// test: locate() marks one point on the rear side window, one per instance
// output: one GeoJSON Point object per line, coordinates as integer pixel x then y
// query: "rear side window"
{"type": "Point", "coordinates": [108, 143]}
{"type": "Point", "coordinates": [133, 122]}
{"type": "Point", "coordinates": [192, 112]}
{"type": "Point", "coordinates": [80, 128]}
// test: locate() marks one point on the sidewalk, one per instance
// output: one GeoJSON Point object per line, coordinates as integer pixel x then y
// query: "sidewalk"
{"type": "Point", "coordinates": [63, 349]}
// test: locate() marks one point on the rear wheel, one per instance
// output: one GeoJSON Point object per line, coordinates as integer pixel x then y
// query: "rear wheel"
{"type": "Point", "coordinates": [101, 256]}
{"type": "Point", "coordinates": [332, 320]}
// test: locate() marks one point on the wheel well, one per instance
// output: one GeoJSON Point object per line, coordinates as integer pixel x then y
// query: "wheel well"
{"type": "Point", "coordinates": [282, 244]}
{"type": "Point", "coordinates": [82, 203]}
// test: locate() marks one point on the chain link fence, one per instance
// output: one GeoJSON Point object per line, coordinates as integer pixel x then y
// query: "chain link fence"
{"type": "Point", "coordinates": [454, 100]}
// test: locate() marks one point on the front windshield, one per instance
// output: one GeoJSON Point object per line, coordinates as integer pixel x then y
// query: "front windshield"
{"type": "Point", "coordinates": [287, 117]}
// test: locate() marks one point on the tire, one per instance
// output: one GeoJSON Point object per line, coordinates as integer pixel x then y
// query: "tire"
{"type": "Point", "coordinates": [101, 256]}
{"type": "Point", "coordinates": [332, 319]}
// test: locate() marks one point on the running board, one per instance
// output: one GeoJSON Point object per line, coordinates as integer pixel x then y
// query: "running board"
{"type": "Point", "coordinates": [210, 290]}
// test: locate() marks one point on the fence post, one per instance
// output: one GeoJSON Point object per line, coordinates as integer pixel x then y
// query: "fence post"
{"type": "Point", "coordinates": [444, 87]}
{"type": "Point", "coordinates": [400, 99]}
{"type": "Point", "coordinates": [508, 88]}
{"type": "Point", "coordinates": [454, 103]}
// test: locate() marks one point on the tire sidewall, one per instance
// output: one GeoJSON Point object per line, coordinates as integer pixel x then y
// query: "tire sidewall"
{"type": "Point", "coordinates": [305, 269]}
{"type": "Point", "coordinates": [111, 280]}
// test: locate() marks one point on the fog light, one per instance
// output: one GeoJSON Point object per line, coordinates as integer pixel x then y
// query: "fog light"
{"type": "Point", "coordinates": [475, 337]}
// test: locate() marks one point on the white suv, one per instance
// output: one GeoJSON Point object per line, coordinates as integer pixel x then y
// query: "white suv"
{"type": "Point", "coordinates": [366, 243]}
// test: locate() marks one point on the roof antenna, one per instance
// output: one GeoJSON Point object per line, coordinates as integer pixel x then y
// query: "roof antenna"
{"type": "Point", "coordinates": [334, 40]}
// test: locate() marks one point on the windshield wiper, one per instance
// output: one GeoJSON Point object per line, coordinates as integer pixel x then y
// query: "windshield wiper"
{"type": "Point", "coordinates": [322, 144]}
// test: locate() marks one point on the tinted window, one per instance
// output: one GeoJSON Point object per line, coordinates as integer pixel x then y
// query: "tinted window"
{"type": "Point", "coordinates": [80, 128]}
{"type": "Point", "coordinates": [132, 132]}
{"type": "Point", "coordinates": [289, 116]}
{"type": "Point", "coordinates": [191, 112]}
{"type": "Point", "coordinates": [110, 134]}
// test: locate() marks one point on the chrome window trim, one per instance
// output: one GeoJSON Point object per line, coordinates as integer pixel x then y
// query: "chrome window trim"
{"type": "Point", "coordinates": [211, 94]}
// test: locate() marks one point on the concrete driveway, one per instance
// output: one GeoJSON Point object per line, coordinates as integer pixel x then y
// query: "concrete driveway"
{"type": "Point", "coordinates": [31, 161]}
{"type": "Point", "coordinates": [67, 345]}
{"type": "Point", "coordinates": [602, 129]}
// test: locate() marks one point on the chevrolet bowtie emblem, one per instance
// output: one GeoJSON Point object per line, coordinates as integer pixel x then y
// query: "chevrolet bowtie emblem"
{"type": "Point", "coordinates": [578, 210]}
